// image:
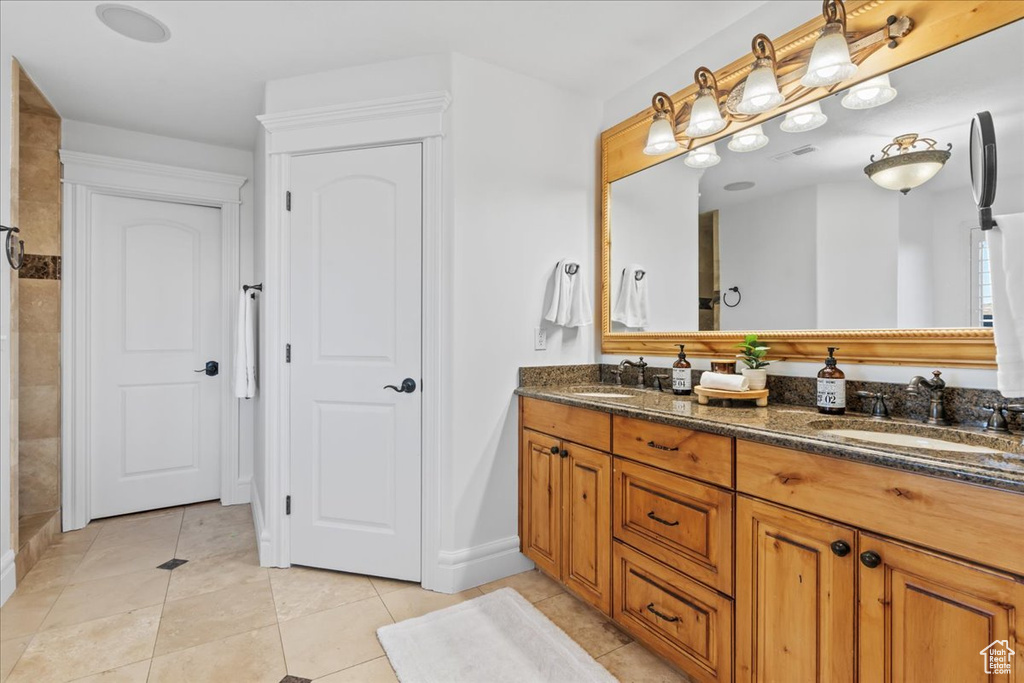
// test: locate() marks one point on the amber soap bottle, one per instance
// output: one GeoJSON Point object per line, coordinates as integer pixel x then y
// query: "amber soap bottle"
{"type": "Point", "coordinates": [831, 387]}
{"type": "Point", "coordinates": [682, 375]}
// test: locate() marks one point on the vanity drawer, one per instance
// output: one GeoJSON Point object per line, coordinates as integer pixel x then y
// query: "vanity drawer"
{"type": "Point", "coordinates": [579, 425]}
{"type": "Point", "coordinates": [684, 523]}
{"type": "Point", "coordinates": [973, 522]}
{"type": "Point", "coordinates": [707, 457]}
{"type": "Point", "coordinates": [675, 616]}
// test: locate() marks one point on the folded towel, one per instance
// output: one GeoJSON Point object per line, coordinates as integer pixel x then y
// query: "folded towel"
{"type": "Point", "coordinates": [631, 306]}
{"type": "Point", "coordinates": [1006, 262]}
{"type": "Point", "coordinates": [570, 303]}
{"type": "Point", "coordinates": [718, 380]}
{"type": "Point", "coordinates": [245, 347]}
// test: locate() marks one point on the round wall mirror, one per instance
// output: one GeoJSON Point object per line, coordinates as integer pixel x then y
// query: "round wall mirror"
{"type": "Point", "coordinates": [983, 165]}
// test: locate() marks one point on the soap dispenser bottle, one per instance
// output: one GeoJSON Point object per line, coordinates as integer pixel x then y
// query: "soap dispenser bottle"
{"type": "Point", "coordinates": [682, 375]}
{"type": "Point", "coordinates": [831, 387]}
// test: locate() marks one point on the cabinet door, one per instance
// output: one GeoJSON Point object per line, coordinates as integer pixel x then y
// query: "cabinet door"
{"type": "Point", "coordinates": [587, 524]}
{"type": "Point", "coordinates": [795, 603]}
{"type": "Point", "coordinates": [926, 617]}
{"type": "Point", "coordinates": [541, 504]}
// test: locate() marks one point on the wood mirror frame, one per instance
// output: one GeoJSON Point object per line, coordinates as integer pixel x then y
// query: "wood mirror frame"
{"type": "Point", "coordinates": [936, 26]}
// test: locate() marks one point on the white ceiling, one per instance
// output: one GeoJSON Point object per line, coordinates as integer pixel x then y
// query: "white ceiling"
{"type": "Point", "coordinates": [206, 82]}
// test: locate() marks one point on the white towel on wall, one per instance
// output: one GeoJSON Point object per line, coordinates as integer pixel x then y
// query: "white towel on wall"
{"type": "Point", "coordinates": [570, 302]}
{"type": "Point", "coordinates": [245, 347]}
{"type": "Point", "coordinates": [1006, 263]}
{"type": "Point", "coordinates": [631, 307]}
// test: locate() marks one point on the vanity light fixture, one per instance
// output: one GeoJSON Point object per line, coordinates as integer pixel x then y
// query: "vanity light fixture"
{"type": "Point", "coordinates": [661, 138]}
{"type": "Point", "coordinates": [748, 139]}
{"type": "Point", "coordinates": [702, 157]}
{"type": "Point", "coordinates": [830, 61]}
{"type": "Point", "coordinates": [803, 119]}
{"type": "Point", "coordinates": [705, 116]}
{"type": "Point", "coordinates": [873, 92]}
{"type": "Point", "coordinates": [903, 167]}
{"type": "Point", "coordinates": [761, 89]}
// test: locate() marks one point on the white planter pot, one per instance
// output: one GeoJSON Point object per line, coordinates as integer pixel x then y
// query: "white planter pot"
{"type": "Point", "coordinates": [758, 378]}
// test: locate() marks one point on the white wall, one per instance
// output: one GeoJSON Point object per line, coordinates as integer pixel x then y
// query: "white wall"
{"type": "Point", "coordinates": [7, 137]}
{"type": "Point", "coordinates": [915, 303]}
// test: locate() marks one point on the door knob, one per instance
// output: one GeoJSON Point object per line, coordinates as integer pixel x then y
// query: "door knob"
{"type": "Point", "coordinates": [408, 386]}
{"type": "Point", "coordinates": [212, 368]}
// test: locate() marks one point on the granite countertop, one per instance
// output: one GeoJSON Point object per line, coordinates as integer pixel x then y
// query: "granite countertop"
{"type": "Point", "coordinates": [802, 428]}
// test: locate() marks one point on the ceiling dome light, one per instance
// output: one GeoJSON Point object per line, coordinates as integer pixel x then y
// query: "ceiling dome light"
{"type": "Point", "coordinates": [748, 140]}
{"type": "Point", "coordinates": [907, 168]}
{"type": "Point", "coordinates": [761, 89]}
{"type": "Point", "coordinates": [133, 23]}
{"type": "Point", "coordinates": [705, 116]}
{"type": "Point", "coordinates": [873, 92]}
{"type": "Point", "coordinates": [830, 61]}
{"type": "Point", "coordinates": [661, 138]}
{"type": "Point", "coordinates": [702, 157]}
{"type": "Point", "coordinates": [803, 119]}
{"type": "Point", "coordinates": [739, 186]}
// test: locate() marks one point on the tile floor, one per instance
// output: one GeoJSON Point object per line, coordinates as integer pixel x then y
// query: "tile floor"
{"type": "Point", "coordinates": [95, 608]}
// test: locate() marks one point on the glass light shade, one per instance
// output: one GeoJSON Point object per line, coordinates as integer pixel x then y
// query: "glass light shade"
{"type": "Point", "coordinates": [761, 90]}
{"type": "Point", "coordinates": [702, 157]}
{"type": "Point", "coordinates": [705, 116]}
{"type": "Point", "coordinates": [906, 171]}
{"type": "Point", "coordinates": [830, 59]}
{"type": "Point", "coordinates": [748, 140]}
{"type": "Point", "coordinates": [873, 92]}
{"type": "Point", "coordinates": [661, 139]}
{"type": "Point", "coordinates": [805, 118]}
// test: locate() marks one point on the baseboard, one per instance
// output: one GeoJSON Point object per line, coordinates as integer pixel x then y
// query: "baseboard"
{"type": "Point", "coordinates": [262, 533]}
{"type": "Point", "coordinates": [7, 576]}
{"type": "Point", "coordinates": [243, 491]}
{"type": "Point", "coordinates": [460, 570]}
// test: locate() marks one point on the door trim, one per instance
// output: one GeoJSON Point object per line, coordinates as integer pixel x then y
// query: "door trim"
{"type": "Point", "coordinates": [412, 119]}
{"type": "Point", "coordinates": [87, 176]}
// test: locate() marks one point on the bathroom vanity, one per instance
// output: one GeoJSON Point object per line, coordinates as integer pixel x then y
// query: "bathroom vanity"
{"type": "Point", "coordinates": [756, 544]}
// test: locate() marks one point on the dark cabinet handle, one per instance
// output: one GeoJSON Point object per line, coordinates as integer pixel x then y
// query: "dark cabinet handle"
{"type": "Point", "coordinates": [870, 559]}
{"type": "Point", "coordinates": [554, 450]}
{"type": "Point", "coordinates": [565, 453]}
{"type": "Point", "coordinates": [840, 548]}
{"type": "Point", "coordinates": [408, 386]}
{"type": "Point", "coordinates": [659, 520]}
{"type": "Point", "coordinates": [650, 608]}
{"type": "Point", "coordinates": [651, 444]}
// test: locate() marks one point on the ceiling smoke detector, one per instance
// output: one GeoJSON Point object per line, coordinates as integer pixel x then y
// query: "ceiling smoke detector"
{"type": "Point", "coordinates": [133, 23]}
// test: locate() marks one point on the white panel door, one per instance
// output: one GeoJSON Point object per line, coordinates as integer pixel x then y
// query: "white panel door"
{"type": "Point", "coordinates": [154, 318]}
{"type": "Point", "coordinates": [355, 327]}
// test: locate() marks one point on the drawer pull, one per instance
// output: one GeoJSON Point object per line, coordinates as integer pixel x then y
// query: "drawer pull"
{"type": "Point", "coordinates": [651, 444]}
{"type": "Point", "coordinates": [650, 608]}
{"type": "Point", "coordinates": [659, 520]}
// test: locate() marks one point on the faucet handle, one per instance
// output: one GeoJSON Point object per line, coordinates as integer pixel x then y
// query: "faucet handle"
{"type": "Point", "coordinates": [937, 380]}
{"type": "Point", "coordinates": [997, 421]}
{"type": "Point", "coordinates": [879, 411]}
{"type": "Point", "coordinates": [641, 363]}
{"type": "Point", "coordinates": [1014, 408]}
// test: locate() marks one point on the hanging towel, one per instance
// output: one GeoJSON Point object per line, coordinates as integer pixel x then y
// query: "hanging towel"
{"type": "Point", "coordinates": [245, 347]}
{"type": "Point", "coordinates": [1006, 263]}
{"type": "Point", "coordinates": [718, 380]}
{"type": "Point", "coordinates": [631, 306]}
{"type": "Point", "coordinates": [570, 302]}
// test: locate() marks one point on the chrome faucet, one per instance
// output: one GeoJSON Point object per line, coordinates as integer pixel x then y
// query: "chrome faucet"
{"type": "Point", "coordinates": [639, 365]}
{"type": "Point", "coordinates": [936, 385]}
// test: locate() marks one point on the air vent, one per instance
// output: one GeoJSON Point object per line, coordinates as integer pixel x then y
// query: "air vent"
{"type": "Point", "coordinates": [798, 152]}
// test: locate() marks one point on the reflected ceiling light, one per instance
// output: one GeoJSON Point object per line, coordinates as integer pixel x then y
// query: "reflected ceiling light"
{"type": "Point", "coordinates": [749, 139]}
{"type": "Point", "coordinates": [739, 186]}
{"type": "Point", "coordinates": [761, 89]}
{"type": "Point", "coordinates": [830, 61]}
{"type": "Point", "coordinates": [873, 92]}
{"type": "Point", "coordinates": [661, 138]}
{"type": "Point", "coordinates": [705, 115]}
{"type": "Point", "coordinates": [803, 119]}
{"type": "Point", "coordinates": [133, 23]}
{"type": "Point", "coordinates": [702, 157]}
{"type": "Point", "coordinates": [903, 167]}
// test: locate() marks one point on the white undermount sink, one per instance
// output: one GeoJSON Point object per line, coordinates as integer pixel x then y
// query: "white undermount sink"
{"type": "Point", "coordinates": [908, 441]}
{"type": "Point", "coordinates": [602, 394]}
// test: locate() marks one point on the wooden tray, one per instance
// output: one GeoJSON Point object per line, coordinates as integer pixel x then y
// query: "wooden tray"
{"type": "Point", "coordinates": [760, 397]}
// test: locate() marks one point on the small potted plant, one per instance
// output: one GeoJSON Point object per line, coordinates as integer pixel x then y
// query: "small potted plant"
{"type": "Point", "coordinates": [753, 356]}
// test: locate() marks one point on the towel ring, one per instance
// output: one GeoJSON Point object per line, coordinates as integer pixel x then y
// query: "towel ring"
{"type": "Point", "coordinates": [739, 297]}
{"type": "Point", "coordinates": [572, 268]}
{"type": "Point", "coordinates": [15, 257]}
{"type": "Point", "coordinates": [638, 275]}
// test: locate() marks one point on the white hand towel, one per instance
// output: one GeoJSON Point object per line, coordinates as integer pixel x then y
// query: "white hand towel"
{"type": "Point", "coordinates": [718, 380]}
{"type": "Point", "coordinates": [245, 347]}
{"type": "Point", "coordinates": [570, 302]}
{"type": "Point", "coordinates": [631, 306]}
{"type": "Point", "coordinates": [1006, 262]}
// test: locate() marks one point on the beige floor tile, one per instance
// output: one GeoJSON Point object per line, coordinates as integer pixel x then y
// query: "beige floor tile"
{"type": "Point", "coordinates": [335, 639]}
{"type": "Point", "coordinates": [53, 572]}
{"type": "Point", "coordinates": [100, 563]}
{"type": "Point", "coordinates": [385, 586]}
{"type": "Point", "coordinates": [216, 516]}
{"type": "Point", "coordinates": [204, 618]}
{"type": "Point", "coordinates": [68, 549]}
{"type": "Point", "coordinates": [415, 601]}
{"type": "Point", "coordinates": [23, 613]}
{"type": "Point", "coordinates": [105, 597]}
{"type": "Point", "coordinates": [146, 529]}
{"type": "Point", "coordinates": [199, 543]}
{"type": "Point", "coordinates": [10, 652]}
{"type": "Point", "coordinates": [588, 627]}
{"type": "Point", "coordinates": [299, 591]}
{"type": "Point", "coordinates": [136, 517]}
{"type": "Point", "coordinates": [71, 652]}
{"type": "Point", "coordinates": [213, 574]}
{"type": "Point", "coordinates": [633, 663]}
{"type": "Point", "coordinates": [532, 585]}
{"type": "Point", "coordinates": [132, 673]}
{"type": "Point", "coordinates": [253, 657]}
{"type": "Point", "coordinates": [375, 671]}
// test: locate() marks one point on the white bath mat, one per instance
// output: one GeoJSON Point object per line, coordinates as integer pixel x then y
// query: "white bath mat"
{"type": "Point", "coordinates": [492, 639]}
